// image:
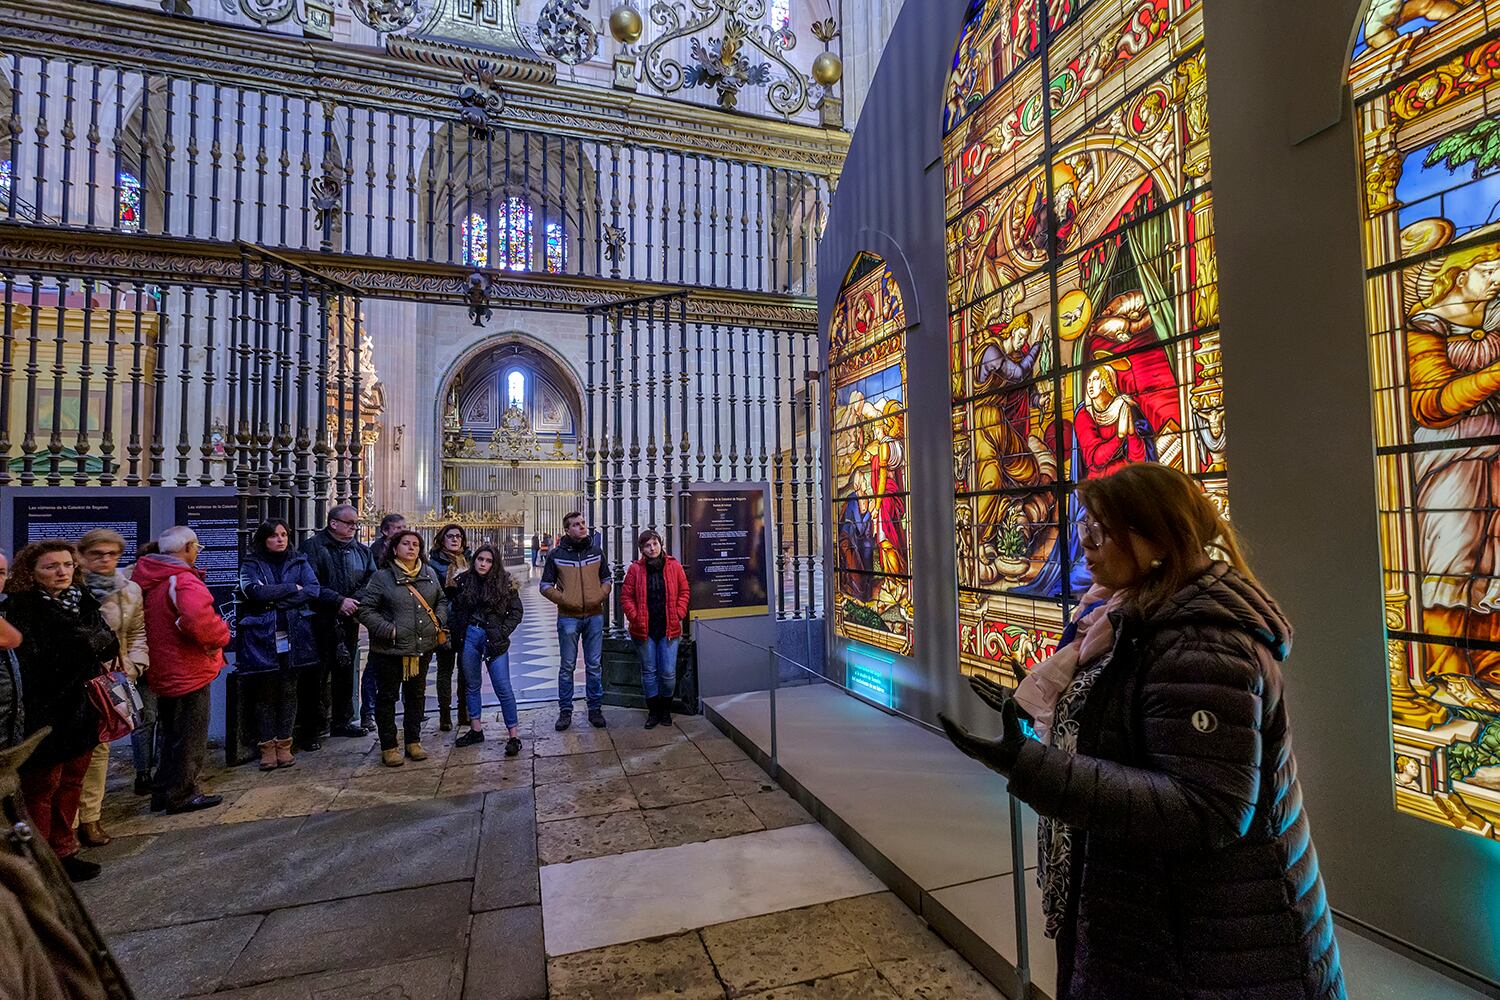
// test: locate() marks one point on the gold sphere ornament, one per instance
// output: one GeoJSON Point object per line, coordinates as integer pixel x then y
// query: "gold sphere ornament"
{"type": "Point", "coordinates": [827, 69]}
{"type": "Point", "coordinates": [626, 25]}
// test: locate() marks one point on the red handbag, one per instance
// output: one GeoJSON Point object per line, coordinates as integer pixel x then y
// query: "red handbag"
{"type": "Point", "coordinates": [116, 703]}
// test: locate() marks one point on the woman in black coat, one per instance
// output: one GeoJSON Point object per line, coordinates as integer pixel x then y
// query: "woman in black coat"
{"type": "Point", "coordinates": [65, 643]}
{"type": "Point", "coordinates": [484, 611]}
{"type": "Point", "coordinates": [274, 638]}
{"type": "Point", "coordinates": [1176, 859]}
{"type": "Point", "coordinates": [449, 560]}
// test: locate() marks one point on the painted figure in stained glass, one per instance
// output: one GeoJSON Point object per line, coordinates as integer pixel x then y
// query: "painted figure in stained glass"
{"type": "Point", "coordinates": [1387, 18]}
{"type": "Point", "coordinates": [1112, 430]}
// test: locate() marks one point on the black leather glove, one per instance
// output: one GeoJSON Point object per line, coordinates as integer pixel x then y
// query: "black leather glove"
{"type": "Point", "coordinates": [997, 755]}
{"type": "Point", "coordinates": [997, 696]}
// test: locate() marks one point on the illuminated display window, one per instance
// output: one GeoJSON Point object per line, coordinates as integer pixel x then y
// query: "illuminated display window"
{"type": "Point", "coordinates": [1083, 298]}
{"type": "Point", "coordinates": [1430, 151]}
{"type": "Point", "coordinates": [872, 557]}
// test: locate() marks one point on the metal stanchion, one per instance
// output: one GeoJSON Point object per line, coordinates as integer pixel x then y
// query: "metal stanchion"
{"type": "Point", "coordinates": [1018, 883]}
{"type": "Point", "coordinates": [775, 680]}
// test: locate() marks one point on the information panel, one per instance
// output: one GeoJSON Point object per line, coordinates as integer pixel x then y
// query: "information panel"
{"type": "Point", "coordinates": [69, 516]}
{"type": "Point", "coordinates": [216, 520]}
{"type": "Point", "coordinates": [727, 557]}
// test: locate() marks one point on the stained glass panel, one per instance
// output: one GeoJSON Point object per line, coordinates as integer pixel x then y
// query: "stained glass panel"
{"type": "Point", "coordinates": [515, 236]}
{"type": "Point", "coordinates": [1425, 98]}
{"type": "Point", "coordinates": [867, 364]}
{"type": "Point", "coordinates": [1083, 326]}
{"type": "Point", "coordinates": [557, 250]}
{"type": "Point", "coordinates": [5, 181]}
{"type": "Point", "coordinates": [475, 233]}
{"type": "Point", "coordinates": [129, 210]}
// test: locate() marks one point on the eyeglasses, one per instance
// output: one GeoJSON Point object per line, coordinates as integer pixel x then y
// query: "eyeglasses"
{"type": "Point", "coordinates": [1092, 533]}
{"type": "Point", "coordinates": [345, 522]}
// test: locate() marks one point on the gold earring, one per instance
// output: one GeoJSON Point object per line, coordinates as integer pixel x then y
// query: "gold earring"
{"type": "Point", "coordinates": [1156, 564]}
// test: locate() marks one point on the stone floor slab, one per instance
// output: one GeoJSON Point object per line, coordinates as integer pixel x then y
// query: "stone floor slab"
{"type": "Point", "coordinates": [437, 978]}
{"type": "Point", "coordinates": [697, 821]}
{"type": "Point", "coordinates": [886, 928]}
{"type": "Point", "coordinates": [681, 753]}
{"type": "Point", "coordinates": [746, 777]}
{"type": "Point", "coordinates": [777, 809]}
{"type": "Point", "coordinates": [642, 738]}
{"type": "Point", "coordinates": [591, 837]}
{"type": "Point", "coordinates": [720, 749]}
{"type": "Point", "coordinates": [192, 875]}
{"type": "Point", "coordinates": [780, 949]}
{"type": "Point", "coordinates": [486, 777]}
{"type": "Point", "coordinates": [611, 900]}
{"type": "Point", "coordinates": [396, 786]}
{"type": "Point", "coordinates": [171, 962]}
{"type": "Point", "coordinates": [940, 975]}
{"type": "Point", "coordinates": [283, 800]}
{"type": "Point", "coordinates": [578, 767]}
{"type": "Point", "coordinates": [675, 787]}
{"type": "Point", "coordinates": [571, 742]}
{"type": "Point", "coordinates": [506, 870]}
{"type": "Point", "coordinates": [863, 985]}
{"type": "Point", "coordinates": [309, 769]}
{"type": "Point", "coordinates": [506, 957]}
{"type": "Point", "coordinates": [675, 968]}
{"type": "Point", "coordinates": [355, 933]}
{"type": "Point", "coordinates": [577, 799]}
{"type": "Point", "coordinates": [141, 821]}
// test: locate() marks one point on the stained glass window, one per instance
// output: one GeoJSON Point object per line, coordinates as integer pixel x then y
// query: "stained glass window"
{"type": "Point", "coordinates": [1430, 149]}
{"type": "Point", "coordinates": [515, 235]}
{"type": "Point", "coordinates": [867, 362]}
{"type": "Point", "coordinates": [5, 182]}
{"type": "Point", "coordinates": [129, 209]}
{"type": "Point", "coordinates": [515, 391]}
{"type": "Point", "coordinates": [475, 233]}
{"type": "Point", "coordinates": [1083, 304]}
{"type": "Point", "coordinates": [557, 251]}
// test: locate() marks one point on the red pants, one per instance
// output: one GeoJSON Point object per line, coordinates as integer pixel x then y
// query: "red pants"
{"type": "Point", "coordinates": [51, 795]}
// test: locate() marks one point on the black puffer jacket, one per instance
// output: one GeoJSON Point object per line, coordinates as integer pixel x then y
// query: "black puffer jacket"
{"type": "Point", "coordinates": [1194, 876]}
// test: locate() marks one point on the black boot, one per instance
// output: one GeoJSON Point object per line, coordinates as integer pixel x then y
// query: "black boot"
{"type": "Point", "coordinates": [445, 718]}
{"type": "Point", "coordinates": [664, 710]}
{"type": "Point", "coordinates": [651, 719]}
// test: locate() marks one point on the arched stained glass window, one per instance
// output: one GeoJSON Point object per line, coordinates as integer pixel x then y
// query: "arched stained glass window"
{"type": "Point", "coordinates": [475, 233]}
{"type": "Point", "coordinates": [5, 182]}
{"type": "Point", "coordinates": [515, 390]}
{"type": "Point", "coordinates": [1084, 320]}
{"type": "Point", "coordinates": [556, 248]}
{"type": "Point", "coordinates": [129, 210]}
{"type": "Point", "coordinates": [1428, 143]}
{"type": "Point", "coordinates": [867, 366]}
{"type": "Point", "coordinates": [514, 243]}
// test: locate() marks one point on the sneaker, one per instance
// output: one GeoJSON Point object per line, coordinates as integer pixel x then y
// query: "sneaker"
{"type": "Point", "coordinates": [80, 870]}
{"type": "Point", "coordinates": [596, 718]}
{"type": "Point", "coordinates": [513, 746]}
{"type": "Point", "coordinates": [470, 738]}
{"type": "Point", "coordinates": [564, 720]}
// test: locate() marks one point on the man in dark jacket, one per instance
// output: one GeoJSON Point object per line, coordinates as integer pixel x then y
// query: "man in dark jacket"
{"type": "Point", "coordinates": [325, 699]}
{"type": "Point", "coordinates": [577, 580]}
{"type": "Point", "coordinates": [389, 525]}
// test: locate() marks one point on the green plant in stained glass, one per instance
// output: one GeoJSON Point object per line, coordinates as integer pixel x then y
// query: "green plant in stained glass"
{"type": "Point", "coordinates": [1478, 144]}
{"type": "Point", "coordinates": [859, 614]}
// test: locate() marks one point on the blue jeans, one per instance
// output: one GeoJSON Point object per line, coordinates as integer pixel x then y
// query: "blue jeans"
{"type": "Point", "coordinates": [591, 632]}
{"type": "Point", "coordinates": [658, 666]}
{"type": "Point", "coordinates": [472, 663]}
{"type": "Point", "coordinates": [143, 737]}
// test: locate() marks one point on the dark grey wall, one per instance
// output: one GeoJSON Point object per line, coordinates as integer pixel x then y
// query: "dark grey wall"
{"type": "Point", "coordinates": [1301, 471]}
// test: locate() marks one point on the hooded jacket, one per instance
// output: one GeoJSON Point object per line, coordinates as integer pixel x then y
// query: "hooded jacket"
{"type": "Point", "coordinates": [1193, 874]}
{"type": "Point", "coordinates": [184, 631]}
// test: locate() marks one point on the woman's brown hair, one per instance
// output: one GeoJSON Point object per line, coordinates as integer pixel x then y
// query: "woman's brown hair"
{"type": "Point", "coordinates": [23, 567]}
{"type": "Point", "coordinates": [1171, 512]}
{"type": "Point", "coordinates": [389, 555]}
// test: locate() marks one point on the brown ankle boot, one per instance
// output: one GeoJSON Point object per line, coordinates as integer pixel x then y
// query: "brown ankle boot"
{"type": "Point", "coordinates": [93, 835]}
{"type": "Point", "coordinates": [268, 755]}
{"type": "Point", "coordinates": [392, 757]}
{"type": "Point", "coordinates": [415, 751]}
{"type": "Point", "coordinates": [284, 756]}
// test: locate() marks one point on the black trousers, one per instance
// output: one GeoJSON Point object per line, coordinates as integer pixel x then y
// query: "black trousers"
{"type": "Point", "coordinates": [325, 693]}
{"type": "Point", "coordinates": [183, 726]}
{"type": "Point", "coordinates": [390, 687]}
{"type": "Point", "coordinates": [276, 703]}
{"type": "Point", "coordinates": [446, 660]}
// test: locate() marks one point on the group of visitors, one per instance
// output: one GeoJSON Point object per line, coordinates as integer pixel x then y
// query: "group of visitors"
{"type": "Point", "coordinates": [74, 626]}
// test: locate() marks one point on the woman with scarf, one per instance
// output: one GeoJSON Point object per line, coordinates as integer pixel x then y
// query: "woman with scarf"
{"type": "Point", "coordinates": [406, 612]}
{"type": "Point", "coordinates": [486, 609]}
{"type": "Point", "coordinates": [122, 605]}
{"type": "Point", "coordinates": [66, 642]}
{"type": "Point", "coordinates": [656, 597]}
{"type": "Point", "coordinates": [274, 639]}
{"type": "Point", "coordinates": [450, 559]}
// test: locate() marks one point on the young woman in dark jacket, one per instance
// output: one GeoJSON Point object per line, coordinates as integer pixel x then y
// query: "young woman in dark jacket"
{"type": "Point", "coordinates": [1176, 858]}
{"type": "Point", "coordinates": [404, 608]}
{"type": "Point", "coordinates": [449, 560]}
{"type": "Point", "coordinates": [274, 639]}
{"type": "Point", "coordinates": [65, 644]}
{"type": "Point", "coordinates": [486, 609]}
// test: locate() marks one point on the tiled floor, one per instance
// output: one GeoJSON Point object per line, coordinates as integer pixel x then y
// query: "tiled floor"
{"type": "Point", "coordinates": [661, 863]}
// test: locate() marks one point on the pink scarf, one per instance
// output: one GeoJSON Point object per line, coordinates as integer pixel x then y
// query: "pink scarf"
{"type": "Point", "coordinates": [1094, 636]}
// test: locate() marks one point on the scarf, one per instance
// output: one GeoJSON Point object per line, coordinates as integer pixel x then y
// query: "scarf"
{"type": "Point", "coordinates": [456, 565]}
{"type": "Point", "coordinates": [1092, 635]}
{"type": "Point", "coordinates": [69, 599]}
{"type": "Point", "coordinates": [411, 569]}
{"type": "Point", "coordinates": [410, 665]}
{"type": "Point", "coordinates": [101, 586]}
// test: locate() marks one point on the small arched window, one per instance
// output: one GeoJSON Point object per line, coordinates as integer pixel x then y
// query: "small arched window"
{"type": "Point", "coordinates": [476, 241]}
{"type": "Point", "coordinates": [514, 243]}
{"type": "Point", "coordinates": [128, 211]}
{"type": "Point", "coordinates": [515, 391]}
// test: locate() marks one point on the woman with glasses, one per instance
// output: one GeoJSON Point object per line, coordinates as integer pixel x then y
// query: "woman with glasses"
{"type": "Point", "coordinates": [486, 609]}
{"type": "Point", "coordinates": [1175, 856]}
{"type": "Point", "coordinates": [450, 559]}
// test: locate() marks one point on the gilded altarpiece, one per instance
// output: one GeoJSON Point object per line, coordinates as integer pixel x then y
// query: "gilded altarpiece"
{"type": "Point", "coordinates": [1083, 303]}
{"type": "Point", "coordinates": [1430, 152]}
{"type": "Point", "coordinates": [872, 547]}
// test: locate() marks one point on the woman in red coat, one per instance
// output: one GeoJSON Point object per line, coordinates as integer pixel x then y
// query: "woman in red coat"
{"type": "Point", "coordinates": [655, 597]}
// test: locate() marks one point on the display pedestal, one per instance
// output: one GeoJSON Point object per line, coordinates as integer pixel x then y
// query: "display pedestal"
{"type": "Point", "coordinates": [622, 676]}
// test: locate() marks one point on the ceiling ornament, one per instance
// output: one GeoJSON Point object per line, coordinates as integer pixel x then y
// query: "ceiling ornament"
{"type": "Point", "coordinates": [731, 49]}
{"type": "Point", "coordinates": [566, 32]}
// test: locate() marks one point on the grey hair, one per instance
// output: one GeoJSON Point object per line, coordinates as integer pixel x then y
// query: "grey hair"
{"type": "Point", "coordinates": [176, 539]}
{"type": "Point", "coordinates": [340, 510]}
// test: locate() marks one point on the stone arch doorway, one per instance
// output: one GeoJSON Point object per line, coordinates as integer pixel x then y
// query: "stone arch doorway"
{"type": "Point", "coordinates": [510, 416]}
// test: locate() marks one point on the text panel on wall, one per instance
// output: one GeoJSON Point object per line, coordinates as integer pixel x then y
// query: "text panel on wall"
{"type": "Point", "coordinates": [1430, 150]}
{"type": "Point", "coordinates": [1083, 299]}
